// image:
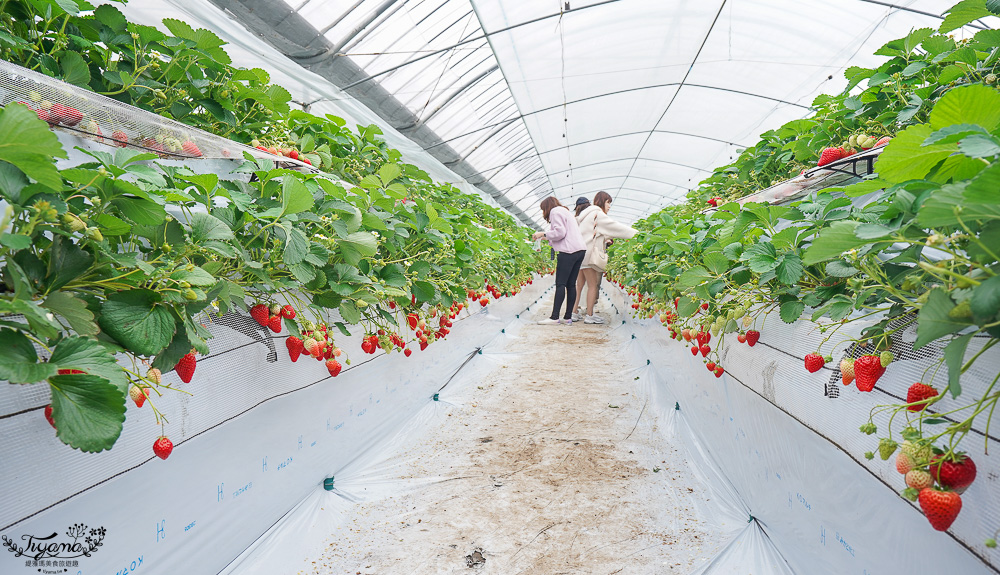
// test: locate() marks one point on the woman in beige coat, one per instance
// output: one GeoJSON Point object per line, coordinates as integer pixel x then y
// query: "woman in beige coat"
{"type": "Point", "coordinates": [598, 229]}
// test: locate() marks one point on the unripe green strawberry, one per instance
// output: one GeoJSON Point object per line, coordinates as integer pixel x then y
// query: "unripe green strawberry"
{"type": "Point", "coordinates": [885, 358]}
{"type": "Point", "coordinates": [73, 223]}
{"type": "Point", "coordinates": [94, 234]}
{"type": "Point", "coordinates": [190, 294]}
{"type": "Point", "coordinates": [154, 375]}
{"type": "Point", "coordinates": [886, 447]}
{"type": "Point", "coordinates": [920, 453]}
{"type": "Point", "coordinates": [961, 311]}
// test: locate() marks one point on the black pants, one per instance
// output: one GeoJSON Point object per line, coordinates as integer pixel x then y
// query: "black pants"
{"type": "Point", "coordinates": [567, 268]}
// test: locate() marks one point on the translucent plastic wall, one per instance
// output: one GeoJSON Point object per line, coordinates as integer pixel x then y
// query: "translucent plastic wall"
{"type": "Point", "coordinates": [639, 98]}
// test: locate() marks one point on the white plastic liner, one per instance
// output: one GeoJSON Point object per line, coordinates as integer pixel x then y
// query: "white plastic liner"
{"type": "Point", "coordinates": [787, 445]}
{"type": "Point", "coordinates": [257, 439]}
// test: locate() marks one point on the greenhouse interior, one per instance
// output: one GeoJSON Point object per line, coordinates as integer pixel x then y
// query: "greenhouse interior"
{"type": "Point", "coordinates": [583, 287]}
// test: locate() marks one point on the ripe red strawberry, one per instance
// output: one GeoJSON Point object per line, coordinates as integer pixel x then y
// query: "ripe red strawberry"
{"type": "Point", "coordinates": [831, 155]}
{"type": "Point", "coordinates": [66, 115]}
{"type": "Point", "coordinates": [882, 141]}
{"type": "Point", "coordinates": [919, 392]}
{"type": "Point", "coordinates": [714, 202]}
{"type": "Point", "coordinates": [423, 345]}
{"type": "Point", "coordinates": [261, 314]}
{"type": "Point", "coordinates": [694, 350]}
{"type": "Point", "coordinates": [138, 395]}
{"type": "Point", "coordinates": [185, 367]}
{"type": "Point", "coordinates": [710, 365]}
{"type": "Point", "coordinates": [814, 362]}
{"type": "Point", "coordinates": [483, 301]}
{"type": "Point", "coordinates": [704, 350]}
{"type": "Point", "coordinates": [162, 447]}
{"type": "Point", "coordinates": [293, 154]}
{"type": "Point", "coordinates": [940, 507]}
{"type": "Point", "coordinates": [295, 347]}
{"type": "Point", "coordinates": [288, 312]}
{"type": "Point", "coordinates": [752, 337]}
{"type": "Point", "coordinates": [306, 160]}
{"type": "Point", "coordinates": [48, 416]}
{"type": "Point", "coordinates": [412, 320]}
{"type": "Point", "coordinates": [957, 473]}
{"type": "Point", "coordinates": [367, 346]}
{"type": "Point", "coordinates": [918, 479]}
{"type": "Point", "coordinates": [719, 371]}
{"type": "Point", "coordinates": [686, 334]}
{"type": "Point", "coordinates": [407, 352]}
{"type": "Point", "coordinates": [742, 338]}
{"type": "Point", "coordinates": [46, 116]}
{"type": "Point", "coordinates": [703, 337]}
{"type": "Point", "coordinates": [847, 370]}
{"type": "Point", "coordinates": [334, 367]}
{"type": "Point", "coordinates": [867, 370]}
{"type": "Point", "coordinates": [275, 323]}
{"type": "Point", "coordinates": [120, 138]}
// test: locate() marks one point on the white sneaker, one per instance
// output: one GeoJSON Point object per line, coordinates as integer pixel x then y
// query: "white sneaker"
{"type": "Point", "coordinates": [549, 321]}
{"type": "Point", "coordinates": [577, 317]}
{"type": "Point", "coordinates": [593, 319]}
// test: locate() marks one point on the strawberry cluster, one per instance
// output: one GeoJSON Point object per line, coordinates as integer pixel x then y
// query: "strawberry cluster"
{"type": "Point", "coordinates": [287, 152]}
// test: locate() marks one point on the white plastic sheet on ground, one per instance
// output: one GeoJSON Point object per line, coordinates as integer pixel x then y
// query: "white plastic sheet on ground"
{"type": "Point", "coordinates": [253, 444]}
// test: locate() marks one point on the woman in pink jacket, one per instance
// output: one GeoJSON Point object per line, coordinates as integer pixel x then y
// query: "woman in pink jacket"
{"type": "Point", "coordinates": [564, 236]}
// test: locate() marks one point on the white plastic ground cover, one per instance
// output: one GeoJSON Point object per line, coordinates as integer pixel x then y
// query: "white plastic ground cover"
{"type": "Point", "coordinates": [258, 438]}
{"type": "Point", "coordinates": [247, 50]}
{"type": "Point", "coordinates": [788, 445]}
{"type": "Point", "coordinates": [305, 540]}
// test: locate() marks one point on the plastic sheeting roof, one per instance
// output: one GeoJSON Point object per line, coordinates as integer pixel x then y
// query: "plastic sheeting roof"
{"type": "Point", "coordinates": [640, 98]}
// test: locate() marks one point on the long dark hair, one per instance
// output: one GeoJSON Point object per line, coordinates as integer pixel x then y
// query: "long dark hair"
{"type": "Point", "coordinates": [581, 207]}
{"type": "Point", "coordinates": [547, 205]}
{"type": "Point", "coordinates": [601, 200]}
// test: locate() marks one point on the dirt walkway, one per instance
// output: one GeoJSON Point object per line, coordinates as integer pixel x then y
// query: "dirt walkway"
{"type": "Point", "coordinates": [549, 465]}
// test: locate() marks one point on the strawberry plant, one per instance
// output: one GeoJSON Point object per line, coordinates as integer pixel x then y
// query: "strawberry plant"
{"type": "Point", "coordinates": [913, 245]}
{"type": "Point", "coordinates": [111, 268]}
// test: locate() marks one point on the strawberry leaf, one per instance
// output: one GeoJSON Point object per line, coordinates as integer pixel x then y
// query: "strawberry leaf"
{"type": "Point", "coordinates": [29, 145]}
{"type": "Point", "coordinates": [934, 321]}
{"type": "Point", "coordinates": [91, 357]}
{"type": "Point", "coordinates": [791, 311]}
{"type": "Point", "coordinates": [134, 319]}
{"type": "Point", "coordinates": [954, 355]}
{"type": "Point", "coordinates": [18, 360]}
{"type": "Point", "coordinates": [88, 410]}
{"type": "Point", "coordinates": [73, 310]}
{"type": "Point", "coordinates": [789, 269]}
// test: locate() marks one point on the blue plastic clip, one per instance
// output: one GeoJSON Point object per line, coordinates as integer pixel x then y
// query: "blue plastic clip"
{"type": "Point", "coordinates": [677, 405]}
{"type": "Point", "coordinates": [436, 397]}
{"type": "Point", "coordinates": [328, 483]}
